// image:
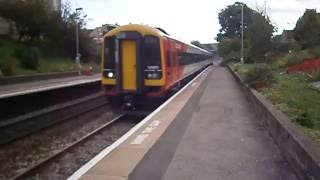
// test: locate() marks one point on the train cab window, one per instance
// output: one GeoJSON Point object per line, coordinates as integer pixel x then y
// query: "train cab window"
{"type": "Point", "coordinates": [109, 52]}
{"type": "Point", "coordinates": [151, 52]}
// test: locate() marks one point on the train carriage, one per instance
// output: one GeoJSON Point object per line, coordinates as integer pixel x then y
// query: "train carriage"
{"type": "Point", "coordinates": [141, 62]}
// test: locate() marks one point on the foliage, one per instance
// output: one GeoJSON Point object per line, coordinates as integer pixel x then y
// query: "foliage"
{"type": "Point", "coordinates": [307, 29]}
{"type": "Point", "coordinates": [29, 57]}
{"type": "Point", "coordinates": [8, 67]}
{"type": "Point", "coordinates": [259, 43]}
{"type": "Point", "coordinates": [31, 17]}
{"type": "Point", "coordinates": [279, 63]}
{"type": "Point", "coordinates": [301, 101]}
{"type": "Point", "coordinates": [11, 53]}
{"type": "Point", "coordinates": [257, 33]}
{"type": "Point", "coordinates": [316, 51]}
{"type": "Point", "coordinates": [55, 65]}
{"type": "Point", "coordinates": [315, 76]}
{"type": "Point", "coordinates": [70, 20]}
{"type": "Point", "coordinates": [233, 56]}
{"type": "Point", "coordinates": [37, 26]}
{"type": "Point", "coordinates": [228, 45]}
{"type": "Point", "coordinates": [230, 21]}
{"type": "Point", "coordinates": [298, 57]}
{"type": "Point", "coordinates": [259, 76]}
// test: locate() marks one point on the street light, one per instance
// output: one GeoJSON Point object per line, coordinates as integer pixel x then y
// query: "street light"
{"type": "Point", "coordinates": [241, 34]}
{"type": "Point", "coordinates": [77, 34]}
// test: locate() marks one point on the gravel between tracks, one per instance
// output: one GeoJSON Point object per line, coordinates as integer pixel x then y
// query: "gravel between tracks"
{"type": "Point", "coordinates": [68, 163]}
{"type": "Point", "coordinates": [19, 155]}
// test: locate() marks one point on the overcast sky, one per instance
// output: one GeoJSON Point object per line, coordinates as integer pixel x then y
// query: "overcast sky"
{"type": "Point", "coordinates": [186, 19]}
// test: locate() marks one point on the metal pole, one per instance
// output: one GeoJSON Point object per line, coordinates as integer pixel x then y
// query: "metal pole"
{"type": "Point", "coordinates": [242, 34]}
{"type": "Point", "coordinates": [77, 39]}
{"type": "Point", "coordinates": [77, 34]}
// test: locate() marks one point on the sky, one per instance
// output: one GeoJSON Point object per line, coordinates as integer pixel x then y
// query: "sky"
{"type": "Point", "coordinates": [186, 19]}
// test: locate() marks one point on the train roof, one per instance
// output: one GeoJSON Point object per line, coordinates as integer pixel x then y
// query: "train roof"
{"type": "Point", "coordinates": [148, 30]}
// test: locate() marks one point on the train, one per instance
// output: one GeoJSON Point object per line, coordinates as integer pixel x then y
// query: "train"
{"type": "Point", "coordinates": [141, 63]}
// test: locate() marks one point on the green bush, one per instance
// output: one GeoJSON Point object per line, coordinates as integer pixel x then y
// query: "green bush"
{"type": "Point", "coordinates": [233, 56]}
{"type": "Point", "coordinates": [316, 51]}
{"type": "Point", "coordinates": [29, 57]}
{"type": "Point", "coordinates": [259, 76]}
{"type": "Point", "coordinates": [298, 57]}
{"type": "Point", "coordinates": [9, 67]}
{"type": "Point", "coordinates": [315, 76]}
{"type": "Point", "coordinates": [304, 120]}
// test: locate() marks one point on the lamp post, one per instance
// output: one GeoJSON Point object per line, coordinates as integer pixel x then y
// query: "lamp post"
{"type": "Point", "coordinates": [77, 34]}
{"type": "Point", "coordinates": [241, 34]}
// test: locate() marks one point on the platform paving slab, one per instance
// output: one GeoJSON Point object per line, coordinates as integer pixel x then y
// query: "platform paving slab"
{"type": "Point", "coordinates": [29, 87]}
{"type": "Point", "coordinates": [216, 137]}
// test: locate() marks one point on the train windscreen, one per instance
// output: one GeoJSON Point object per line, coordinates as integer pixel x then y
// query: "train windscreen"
{"type": "Point", "coordinates": [151, 53]}
{"type": "Point", "coordinates": [109, 53]}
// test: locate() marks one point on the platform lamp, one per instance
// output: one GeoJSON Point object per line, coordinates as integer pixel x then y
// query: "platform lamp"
{"type": "Point", "coordinates": [77, 34]}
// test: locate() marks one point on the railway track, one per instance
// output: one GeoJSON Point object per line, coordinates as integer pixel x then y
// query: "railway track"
{"type": "Point", "coordinates": [25, 125]}
{"type": "Point", "coordinates": [43, 155]}
{"type": "Point", "coordinates": [33, 170]}
{"type": "Point", "coordinates": [81, 150]}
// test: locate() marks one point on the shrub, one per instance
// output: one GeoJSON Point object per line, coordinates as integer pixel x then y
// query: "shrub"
{"type": "Point", "coordinates": [29, 57]}
{"type": "Point", "coordinates": [316, 51]}
{"type": "Point", "coordinates": [9, 67]}
{"type": "Point", "coordinates": [304, 120]}
{"type": "Point", "coordinates": [280, 62]}
{"type": "Point", "coordinates": [298, 57]}
{"type": "Point", "coordinates": [231, 57]}
{"type": "Point", "coordinates": [315, 76]}
{"type": "Point", "coordinates": [259, 76]}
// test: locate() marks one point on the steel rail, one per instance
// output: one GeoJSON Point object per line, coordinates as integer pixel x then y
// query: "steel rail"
{"type": "Point", "coordinates": [33, 168]}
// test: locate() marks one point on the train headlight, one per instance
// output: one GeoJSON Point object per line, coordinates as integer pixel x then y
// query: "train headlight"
{"type": "Point", "coordinates": [155, 75]}
{"type": "Point", "coordinates": [150, 75]}
{"type": "Point", "coordinates": [110, 75]}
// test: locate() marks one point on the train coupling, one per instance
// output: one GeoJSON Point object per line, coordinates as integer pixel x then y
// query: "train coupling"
{"type": "Point", "coordinates": [129, 103]}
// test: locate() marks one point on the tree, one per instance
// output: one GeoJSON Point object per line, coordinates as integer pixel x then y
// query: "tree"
{"type": "Point", "coordinates": [30, 17]}
{"type": "Point", "coordinates": [230, 21]}
{"type": "Point", "coordinates": [228, 45]}
{"type": "Point", "coordinates": [51, 30]}
{"type": "Point", "coordinates": [259, 37]}
{"type": "Point", "coordinates": [70, 20]}
{"type": "Point", "coordinates": [258, 31]}
{"type": "Point", "coordinates": [196, 43]}
{"type": "Point", "coordinates": [307, 30]}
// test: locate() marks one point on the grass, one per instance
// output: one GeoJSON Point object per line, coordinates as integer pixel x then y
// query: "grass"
{"type": "Point", "coordinates": [293, 95]}
{"type": "Point", "coordinates": [55, 65]}
{"type": "Point", "coordinates": [10, 64]}
{"type": "Point", "coordinates": [242, 69]}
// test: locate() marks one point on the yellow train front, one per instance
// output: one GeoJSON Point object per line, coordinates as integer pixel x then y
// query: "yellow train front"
{"type": "Point", "coordinates": [140, 63]}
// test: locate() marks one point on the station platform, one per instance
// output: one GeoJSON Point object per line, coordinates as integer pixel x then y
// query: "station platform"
{"type": "Point", "coordinates": [207, 131]}
{"type": "Point", "coordinates": [11, 90]}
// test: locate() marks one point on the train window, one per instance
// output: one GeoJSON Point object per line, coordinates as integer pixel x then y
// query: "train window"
{"type": "Point", "coordinates": [151, 52]}
{"type": "Point", "coordinates": [109, 53]}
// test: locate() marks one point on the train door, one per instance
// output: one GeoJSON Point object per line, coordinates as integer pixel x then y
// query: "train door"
{"type": "Point", "coordinates": [129, 64]}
